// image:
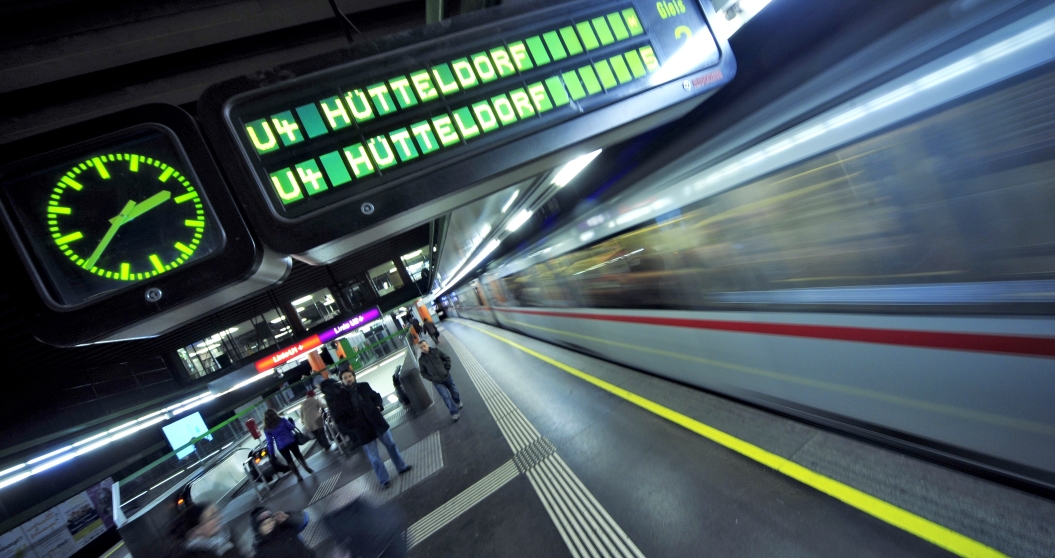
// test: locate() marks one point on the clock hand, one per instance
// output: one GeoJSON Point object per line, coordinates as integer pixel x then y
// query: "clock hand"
{"type": "Point", "coordinates": [148, 204]}
{"type": "Point", "coordinates": [115, 224]}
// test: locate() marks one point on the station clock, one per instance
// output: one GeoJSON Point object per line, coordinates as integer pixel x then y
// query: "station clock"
{"type": "Point", "coordinates": [116, 221]}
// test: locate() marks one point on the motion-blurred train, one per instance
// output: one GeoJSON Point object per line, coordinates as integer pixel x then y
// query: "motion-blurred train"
{"type": "Point", "coordinates": [873, 252]}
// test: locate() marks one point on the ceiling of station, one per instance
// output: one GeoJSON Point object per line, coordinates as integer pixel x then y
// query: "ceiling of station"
{"type": "Point", "coordinates": [470, 225]}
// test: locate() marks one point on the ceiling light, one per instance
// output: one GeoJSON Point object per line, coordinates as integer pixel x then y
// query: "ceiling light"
{"type": "Point", "coordinates": [278, 319]}
{"type": "Point", "coordinates": [570, 170]}
{"type": "Point", "coordinates": [393, 270]}
{"type": "Point", "coordinates": [15, 468]}
{"type": "Point", "coordinates": [52, 463]}
{"type": "Point", "coordinates": [472, 265]}
{"type": "Point", "coordinates": [510, 201]}
{"type": "Point", "coordinates": [412, 254]}
{"type": "Point", "coordinates": [301, 300]}
{"type": "Point", "coordinates": [15, 479]}
{"type": "Point", "coordinates": [47, 455]}
{"type": "Point", "coordinates": [518, 220]}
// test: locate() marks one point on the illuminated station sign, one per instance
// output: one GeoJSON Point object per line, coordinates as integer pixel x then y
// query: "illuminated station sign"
{"type": "Point", "coordinates": [313, 342]}
{"type": "Point", "coordinates": [370, 135]}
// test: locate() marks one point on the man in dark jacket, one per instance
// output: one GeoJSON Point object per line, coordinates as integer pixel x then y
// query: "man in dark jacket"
{"type": "Point", "coordinates": [356, 410]}
{"type": "Point", "coordinates": [435, 367]}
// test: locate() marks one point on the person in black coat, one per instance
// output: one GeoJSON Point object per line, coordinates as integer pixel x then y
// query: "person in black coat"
{"type": "Point", "coordinates": [435, 367]}
{"type": "Point", "coordinates": [278, 534]}
{"type": "Point", "coordinates": [356, 410]}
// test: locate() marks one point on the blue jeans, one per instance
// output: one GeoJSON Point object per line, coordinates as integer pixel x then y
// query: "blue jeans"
{"type": "Point", "coordinates": [375, 459]}
{"type": "Point", "coordinates": [449, 393]}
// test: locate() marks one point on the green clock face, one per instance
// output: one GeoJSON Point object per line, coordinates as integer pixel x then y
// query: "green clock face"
{"type": "Point", "coordinates": [125, 217]}
{"type": "Point", "coordinates": [103, 216]}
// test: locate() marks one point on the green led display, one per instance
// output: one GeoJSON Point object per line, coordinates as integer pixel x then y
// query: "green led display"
{"type": "Point", "coordinates": [359, 113]}
{"type": "Point", "coordinates": [164, 202]}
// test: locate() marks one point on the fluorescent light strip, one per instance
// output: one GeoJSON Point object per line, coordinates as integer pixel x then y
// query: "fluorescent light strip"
{"type": "Point", "coordinates": [12, 469]}
{"type": "Point", "coordinates": [510, 201]}
{"type": "Point", "coordinates": [52, 463]}
{"type": "Point", "coordinates": [573, 168]}
{"type": "Point", "coordinates": [84, 441]}
{"type": "Point", "coordinates": [94, 446]}
{"type": "Point", "coordinates": [15, 479]}
{"type": "Point", "coordinates": [472, 265]}
{"type": "Point", "coordinates": [168, 479]}
{"type": "Point", "coordinates": [518, 220]}
{"type": "Point", "coordinates": [47, 455]}
{"type": "Point", "coordinates": [133, 498]}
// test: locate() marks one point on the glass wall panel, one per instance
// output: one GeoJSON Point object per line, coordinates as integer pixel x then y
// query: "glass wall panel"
{"type": "Point", "coordinates": [356, 294]}
{"type": "Point", "coordinates": [417, 263]}
{"type": "Point", "coordinates": [316, 308]}
{"type": "Point", "coordinates": [385, 278]}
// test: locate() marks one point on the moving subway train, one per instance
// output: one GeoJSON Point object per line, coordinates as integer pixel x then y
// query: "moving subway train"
{"type": "Point", "coordinates": [874, 251]}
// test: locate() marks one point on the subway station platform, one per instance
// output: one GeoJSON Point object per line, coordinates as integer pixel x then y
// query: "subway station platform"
{"type": "Point", "coordinates": [562, 454]}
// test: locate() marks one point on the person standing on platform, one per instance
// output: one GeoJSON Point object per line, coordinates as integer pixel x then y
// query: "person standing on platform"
{"type": "Point", "coordinates": [356, 409]}
{"type": "Point", "coordinates": [432, 330]}
{"type": "Point", "coordinates": [280, 436]}
{"type": "Point", "coordinates": [436, 368]}
{"type": "Point", "coordinates": [311, 413]}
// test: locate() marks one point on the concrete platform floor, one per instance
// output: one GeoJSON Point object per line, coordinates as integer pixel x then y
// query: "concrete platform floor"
{"type": "Point", "coordinates": [543, 463]}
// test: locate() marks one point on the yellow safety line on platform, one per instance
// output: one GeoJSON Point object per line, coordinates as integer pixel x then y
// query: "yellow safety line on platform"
{"type": "Point", "coordinates": [114, 549]}
{"type": "Point", "coordinates": [924, 528]}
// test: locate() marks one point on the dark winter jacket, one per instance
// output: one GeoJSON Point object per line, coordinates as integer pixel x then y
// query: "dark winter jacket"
{"type": "Point", "coordinates": [282, 541]}
{"type": "Point", "coordinates": [281, 436]}
{"type": "Point", "coordinates": [435, 365]}
{"type": "Point", "coordinates": [431, 328]}
{"type": "Point", "coordinates": [355, 411]}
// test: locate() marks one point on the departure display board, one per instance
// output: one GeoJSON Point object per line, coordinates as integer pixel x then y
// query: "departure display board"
{"type": "Point", "coordinates": [346, 132]}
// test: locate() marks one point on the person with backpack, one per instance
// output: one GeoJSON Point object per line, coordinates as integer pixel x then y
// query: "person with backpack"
{"type": "Point", "coordinates": [436, 367]}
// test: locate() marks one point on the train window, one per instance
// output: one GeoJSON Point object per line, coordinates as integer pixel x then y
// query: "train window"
{"type": "Point", "coordinates": [316, 308]}
{"type": "Point", "coordinates": [958, 198]}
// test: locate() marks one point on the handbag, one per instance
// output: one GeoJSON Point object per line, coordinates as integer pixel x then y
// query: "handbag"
{"type": "Point", "coordinates": [300, 437]}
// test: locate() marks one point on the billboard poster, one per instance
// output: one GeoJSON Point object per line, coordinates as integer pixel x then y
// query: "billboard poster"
{"type": "Point", "coordinates": [49, 536]}
{"type": "Point", "coordinates": [102, 499]}
{"type": "Point", "coordinates": [65, 528]}
{"type": "Point", "coordinates": [82, 521]}
{"type": "Point", "coordinates": [15, 544]}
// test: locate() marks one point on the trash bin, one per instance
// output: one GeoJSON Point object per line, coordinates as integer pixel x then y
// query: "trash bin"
{"type": "Point", "coordinates": [410, 379]}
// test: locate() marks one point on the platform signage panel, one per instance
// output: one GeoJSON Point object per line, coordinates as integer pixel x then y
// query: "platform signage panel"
{"type": "Point", "coordinates": [313, 342]}
{"type": "Point", "coordinates": [345, 132]}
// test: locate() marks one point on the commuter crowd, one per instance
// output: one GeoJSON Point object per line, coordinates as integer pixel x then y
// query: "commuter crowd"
{"type": "Point", "coordinates": [356, 411]}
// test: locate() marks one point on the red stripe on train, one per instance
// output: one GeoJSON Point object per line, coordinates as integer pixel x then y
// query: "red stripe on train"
{"type": "Point", "coordinates": [1010, 344]}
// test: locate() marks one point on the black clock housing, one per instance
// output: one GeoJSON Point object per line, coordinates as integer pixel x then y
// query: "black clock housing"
{"type": "Point", "coordinates": [67, 215]}
{"type": "Point", "coordinates": [121, 223]}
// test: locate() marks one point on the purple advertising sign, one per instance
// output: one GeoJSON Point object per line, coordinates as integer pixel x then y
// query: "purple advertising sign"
{"type": "Point", "coordinates": [341, 329]}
